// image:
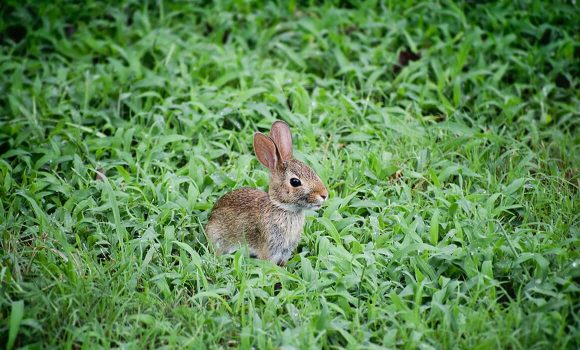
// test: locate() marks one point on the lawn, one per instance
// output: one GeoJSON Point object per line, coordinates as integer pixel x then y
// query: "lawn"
{"type": "Point", "coordinates": [446, 133]}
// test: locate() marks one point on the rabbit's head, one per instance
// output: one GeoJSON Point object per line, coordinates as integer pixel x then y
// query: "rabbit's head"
{"type": "Point", "coordinates": [294, 186]}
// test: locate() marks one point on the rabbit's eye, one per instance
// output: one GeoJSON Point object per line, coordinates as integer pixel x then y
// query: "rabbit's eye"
{"type": "Point", "coordinates": [295, 182]}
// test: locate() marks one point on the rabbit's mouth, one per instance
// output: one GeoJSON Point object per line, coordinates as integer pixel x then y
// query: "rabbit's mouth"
{"type": "Point", "coordinates": [315, 206]}
{"type": "Point", "coordinates": [309, 206]}
{"type": "Point", "coordinates": [292, 207]}
{"type": "Point", "coordinates": [296, 207]}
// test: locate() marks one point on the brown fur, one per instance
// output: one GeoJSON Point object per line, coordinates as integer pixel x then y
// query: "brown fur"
{"type": "Point", "coordinates": [269, 223]}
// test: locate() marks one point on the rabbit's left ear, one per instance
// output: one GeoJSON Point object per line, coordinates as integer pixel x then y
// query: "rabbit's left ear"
{"type": "Point", "coordinates": [282, 137]}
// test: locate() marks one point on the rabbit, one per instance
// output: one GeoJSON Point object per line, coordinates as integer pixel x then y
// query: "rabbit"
{"type": "Point", "coordinates": [270, 223]}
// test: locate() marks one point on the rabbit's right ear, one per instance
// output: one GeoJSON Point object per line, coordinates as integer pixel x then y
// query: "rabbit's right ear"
{"type": "Point", "coordinates": [265, 150]}
{"type": "Point", "coordinates": [282, 137]}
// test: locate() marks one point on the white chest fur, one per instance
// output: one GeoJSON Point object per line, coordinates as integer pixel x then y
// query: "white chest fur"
{"type": "Point", "coordinates": [286, 231]}
{"type": "Point", "coordinates": [295, 225]}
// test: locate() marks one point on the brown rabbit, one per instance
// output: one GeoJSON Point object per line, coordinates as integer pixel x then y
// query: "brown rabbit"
{"type": "Point", "coordinates": [269, 223]}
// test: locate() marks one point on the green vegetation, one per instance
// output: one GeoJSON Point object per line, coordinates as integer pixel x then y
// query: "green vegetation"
{"type": "Point", "coordinates": [447, 134]}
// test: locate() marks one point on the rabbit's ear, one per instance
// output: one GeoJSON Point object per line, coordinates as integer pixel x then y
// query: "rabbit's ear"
{"type": "Point", "coordinates": [265, 150]}
{"type": "Point", "coordinates": [282, 137]}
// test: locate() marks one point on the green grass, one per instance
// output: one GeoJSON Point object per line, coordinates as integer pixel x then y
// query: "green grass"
{"type": "Point", "coordinates": [447, 134]}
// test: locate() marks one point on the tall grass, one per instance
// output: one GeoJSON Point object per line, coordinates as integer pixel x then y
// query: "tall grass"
{"type": "Point", "coordinates": [447, 134]}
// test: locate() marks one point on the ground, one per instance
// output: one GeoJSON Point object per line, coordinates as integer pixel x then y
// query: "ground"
{"type": "Point", "coordinates": [447, 135]}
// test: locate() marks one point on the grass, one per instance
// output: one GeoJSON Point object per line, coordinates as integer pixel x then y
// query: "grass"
{"type": "Point", "coordinates": [447, 134]}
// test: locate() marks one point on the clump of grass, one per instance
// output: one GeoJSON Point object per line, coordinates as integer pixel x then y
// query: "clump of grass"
{"type": "Point", "coordinates": [447, 135]}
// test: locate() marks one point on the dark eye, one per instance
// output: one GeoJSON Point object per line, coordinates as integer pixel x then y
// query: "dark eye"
{"type": "Point", "coordinates": [295, 182]}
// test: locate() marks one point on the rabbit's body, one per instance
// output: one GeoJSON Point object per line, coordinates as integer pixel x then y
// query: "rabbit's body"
{"type": "Point", "coordinates": [249, 217]}
{"type": "Point", "coordinates": [271, 223]}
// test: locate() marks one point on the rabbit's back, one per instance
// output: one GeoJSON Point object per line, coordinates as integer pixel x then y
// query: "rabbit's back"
{"type": "Point", "coordinates": [234, 220]}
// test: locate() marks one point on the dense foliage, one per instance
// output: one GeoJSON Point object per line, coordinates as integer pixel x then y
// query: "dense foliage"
{"type": "Point", "coordinates": [447, 134]}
